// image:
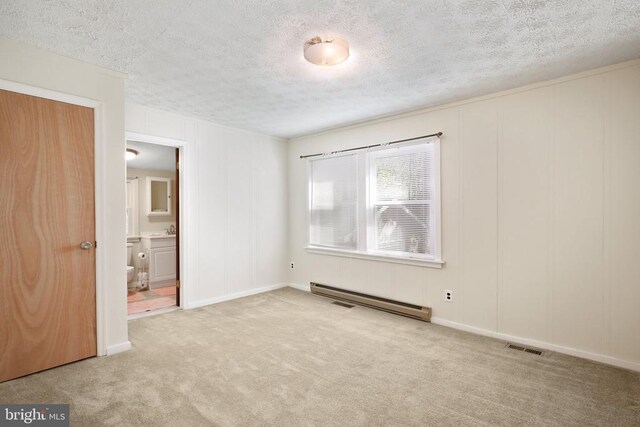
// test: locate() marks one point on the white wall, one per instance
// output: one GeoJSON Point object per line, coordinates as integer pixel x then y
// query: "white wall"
{"type": "Point", "coordinates": [541, 215]}
{"type": "Point", "coordinates": [237, 206]}
{"type": "Point", "coordinates": [38, 68]}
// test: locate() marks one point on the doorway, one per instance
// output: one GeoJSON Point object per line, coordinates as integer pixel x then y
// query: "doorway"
{"type": "Point", "coordinates": [153, 227]}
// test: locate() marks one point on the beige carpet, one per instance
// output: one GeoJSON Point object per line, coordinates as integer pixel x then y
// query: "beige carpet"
{"type": "Point", "coordinates": [291, 358]}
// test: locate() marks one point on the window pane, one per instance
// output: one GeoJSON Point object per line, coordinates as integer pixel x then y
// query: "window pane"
{"type": "Point", "coordinates": [403, 228]}
{"type": "Point", "coordinates": [334, 209]}
{"type": "Point", "coordinates": [403, 176]}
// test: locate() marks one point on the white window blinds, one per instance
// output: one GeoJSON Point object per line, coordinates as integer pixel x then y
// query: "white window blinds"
{"type": "Point", "coordinates": [333, 218]}
{"type": "Point", "coordinates": [400, 193]}
{"type": "Point", "coordinates": [378, 202]}
{"type": "Point", "coordinates": [132, 207]}
{"type": "Point", "coordinates": [130, 215]}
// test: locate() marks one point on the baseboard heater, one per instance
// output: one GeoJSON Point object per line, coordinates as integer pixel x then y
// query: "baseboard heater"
{"type": "Point", "coordinates": [391, 306]}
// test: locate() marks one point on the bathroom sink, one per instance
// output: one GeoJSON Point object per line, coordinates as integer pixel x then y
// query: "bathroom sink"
{"type": "Point", "coordinates": [154, 241]}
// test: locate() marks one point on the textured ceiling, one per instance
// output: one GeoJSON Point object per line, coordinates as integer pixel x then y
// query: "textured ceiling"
{"type": "Point", "coordinates": [240, 63]}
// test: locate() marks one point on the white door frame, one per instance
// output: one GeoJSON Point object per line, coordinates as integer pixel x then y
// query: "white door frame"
{"type": "Point", "coordinates": [99, 182]}
{"type": "Point", "coordinates": [184, 148]}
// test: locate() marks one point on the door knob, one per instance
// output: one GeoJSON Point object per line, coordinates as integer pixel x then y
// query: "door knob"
{"type": "Point", "coordinates": [86, 245]}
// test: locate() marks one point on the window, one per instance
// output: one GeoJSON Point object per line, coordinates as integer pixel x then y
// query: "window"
{"type": "Point", "coordinates": [333, 215]}
{"type": "Point", "coordinates": [377, 203]}
{"type": "Point", "coordinates": [400, 193]}
{"type": "Point", "coordinates": [132, 207]}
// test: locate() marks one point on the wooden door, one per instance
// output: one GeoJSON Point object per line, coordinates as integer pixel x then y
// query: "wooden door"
{"type": "Point", "coordinates": [47, 282]}
{"type": "Point", "coordinates": [177, 202]}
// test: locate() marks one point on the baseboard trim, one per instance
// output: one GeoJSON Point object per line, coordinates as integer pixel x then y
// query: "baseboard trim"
{"type": "Point", "coordinates": [162, 284]}
{"type": "Point", "coordinates": [305, 288]}
{"type": "Point", "coordinates": [118, 348]}
{"type": "Point", "coordinates": [236, 295]}
{"type": "Point", "coordinates": [608, 360]}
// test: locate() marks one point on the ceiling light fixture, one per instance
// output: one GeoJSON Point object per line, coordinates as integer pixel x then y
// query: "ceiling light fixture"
{"type": "Point", "coordinates": [326, 52]}
{"type": "Point", "coordinates": [130, 154]}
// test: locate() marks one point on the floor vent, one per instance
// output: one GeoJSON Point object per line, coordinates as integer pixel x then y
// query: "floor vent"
{"type": "Point", "coordinates": [525, 349]}
{"type": "Point", "coordinates": [350, 297]}
{"type": "Point", "coordinates": [343, 304]}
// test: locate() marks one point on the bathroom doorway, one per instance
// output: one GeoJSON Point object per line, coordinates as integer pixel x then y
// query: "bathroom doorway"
{"type": "Point", "coordinates": [153, 227]}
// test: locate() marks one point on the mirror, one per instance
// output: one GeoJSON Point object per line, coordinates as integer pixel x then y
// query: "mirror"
{"type": "Point", "coordinates": [159, 196]}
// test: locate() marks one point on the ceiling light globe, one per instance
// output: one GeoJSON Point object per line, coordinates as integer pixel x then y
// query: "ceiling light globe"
{"type": "Point", "coordinates": [130, 154]}
{"type": "Point", "coordinates": [326, 52]}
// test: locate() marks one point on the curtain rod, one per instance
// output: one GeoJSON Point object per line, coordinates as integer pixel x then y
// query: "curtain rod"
{"type": "Point", "coordinates": [438, 134]}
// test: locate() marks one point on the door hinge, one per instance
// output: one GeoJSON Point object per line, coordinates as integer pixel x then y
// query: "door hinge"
{"type": "Point", "coordinates": [95, 245]}
{"type": "Point", "coordinates": [178, 166]}
{"type": "Point", "coordinates": [178, 284]}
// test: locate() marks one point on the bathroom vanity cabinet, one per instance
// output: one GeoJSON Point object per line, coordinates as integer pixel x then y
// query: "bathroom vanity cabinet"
{"type": "Point", "coordinates": [162, 259]}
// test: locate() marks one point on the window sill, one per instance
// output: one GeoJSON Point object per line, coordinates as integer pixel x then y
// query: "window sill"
{"type": "Point", "coordinates": [371, 257]}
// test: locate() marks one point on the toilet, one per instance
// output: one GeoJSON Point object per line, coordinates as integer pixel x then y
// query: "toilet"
{"type": "Point", "coordinates": [130, 268]}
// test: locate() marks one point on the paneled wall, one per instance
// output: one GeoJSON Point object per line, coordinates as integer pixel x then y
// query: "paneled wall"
{"type": "Point", "coordinates": [540, 215]}
{"type": "Point", "coordinates": [236, 207]}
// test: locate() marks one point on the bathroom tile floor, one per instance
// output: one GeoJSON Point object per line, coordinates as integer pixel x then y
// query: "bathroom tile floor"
{"type": "Point", "coordinates": [153, 299]}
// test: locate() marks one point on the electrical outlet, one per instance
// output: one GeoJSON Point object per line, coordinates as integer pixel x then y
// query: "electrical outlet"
{"type": "Point", "coordinates": [291, 265]}
{"type": "Point", "coordinates": [448, 295]}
